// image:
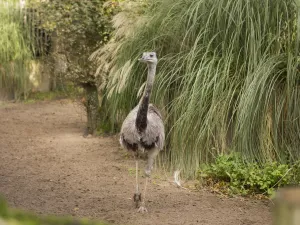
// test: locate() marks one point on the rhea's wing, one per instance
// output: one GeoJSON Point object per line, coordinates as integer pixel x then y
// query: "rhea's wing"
{"type": "Point", "coordinates": [129, 137]}
{"type": "Point", "coordinates": [153, 109]}
{"type": "Point", "coordinates": [155, 132]}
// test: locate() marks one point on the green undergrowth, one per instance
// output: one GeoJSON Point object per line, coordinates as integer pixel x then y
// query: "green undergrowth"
{"type": "Point", "coordinates": [229, 174]}
{"type": "Point", "coordinates": [44, 96]}
{"type": "Point", "coordinates": [17, 217]}
{"type": "Point", "coordinates": [68, 91]}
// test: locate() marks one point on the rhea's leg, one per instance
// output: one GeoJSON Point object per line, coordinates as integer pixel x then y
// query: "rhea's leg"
{"type": "Point", "coordinates": [151, 156]}
{"type": "Point", "coordinates": [142, 208]}
{"type": "Point", "coordinates": [137, 195]}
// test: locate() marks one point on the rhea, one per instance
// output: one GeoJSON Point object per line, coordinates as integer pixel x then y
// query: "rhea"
{"type": "Point", "coordinates": [142, 131]}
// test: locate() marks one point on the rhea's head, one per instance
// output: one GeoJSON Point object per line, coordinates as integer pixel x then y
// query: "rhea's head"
{"type": "Point", "coordinates": [149, 58]}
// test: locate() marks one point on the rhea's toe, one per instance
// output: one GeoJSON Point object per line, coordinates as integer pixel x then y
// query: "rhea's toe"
{"type": "Point", "coordinates": [142, 209]}
{"type": "Point", "coordinates": [137, 198]}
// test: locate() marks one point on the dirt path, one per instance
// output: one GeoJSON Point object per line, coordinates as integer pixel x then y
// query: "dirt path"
{"type": "Point", "coordinates": [46, 166]}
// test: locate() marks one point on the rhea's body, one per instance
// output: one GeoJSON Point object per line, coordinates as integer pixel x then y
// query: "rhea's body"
{"type": "Point", "coordinates": [151, 137]}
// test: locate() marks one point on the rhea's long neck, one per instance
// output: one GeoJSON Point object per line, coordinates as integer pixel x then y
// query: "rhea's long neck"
{"type": "Point", "coordinates": [141, 119]}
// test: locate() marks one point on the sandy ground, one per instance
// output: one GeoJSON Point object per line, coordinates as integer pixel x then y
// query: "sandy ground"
{"type": "Point", "coordinates": [47, 167]}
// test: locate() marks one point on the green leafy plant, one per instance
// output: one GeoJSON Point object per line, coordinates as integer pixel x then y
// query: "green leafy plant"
{"type": "Point", "coordinates": [10, 216]}
{"type": "Point", "coordinates": [233, 176]}
{"type": "Point", "coordinates": [79, 27]}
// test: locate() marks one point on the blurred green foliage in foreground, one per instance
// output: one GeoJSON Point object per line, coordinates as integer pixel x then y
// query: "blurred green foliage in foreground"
{"type": "Point", "coordinates": [10, 216]}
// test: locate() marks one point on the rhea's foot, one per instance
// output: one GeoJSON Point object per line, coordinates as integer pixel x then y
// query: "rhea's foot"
{"type": "Point", "coordinates": [137, 198]}
{"type": "Point", "coordinates": [148, 172]}
{"type": "Point", "coordinates": [142, 208]}
{"type": "Point", "coordinates": [85, 132]}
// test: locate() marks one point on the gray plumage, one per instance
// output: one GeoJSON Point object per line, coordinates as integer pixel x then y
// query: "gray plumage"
{"type": "Point", "coordinates": [153, 134]}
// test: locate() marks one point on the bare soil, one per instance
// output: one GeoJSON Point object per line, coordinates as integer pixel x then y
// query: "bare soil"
{"type": "Point", "coordinates": [47, 167]}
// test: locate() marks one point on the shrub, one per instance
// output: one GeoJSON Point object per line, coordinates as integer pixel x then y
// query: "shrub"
{"type": "Point", "coordinates": [233, 176]}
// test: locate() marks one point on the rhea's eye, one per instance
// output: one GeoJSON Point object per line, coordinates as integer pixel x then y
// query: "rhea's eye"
{"type": "Point", "coordinates": [151, 55]}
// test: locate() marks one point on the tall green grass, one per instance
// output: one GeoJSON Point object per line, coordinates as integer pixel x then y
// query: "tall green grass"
{"type": "Point", "coordinates": [14, 47]}
{"type": "Point", "coordinates": [228, 78]}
